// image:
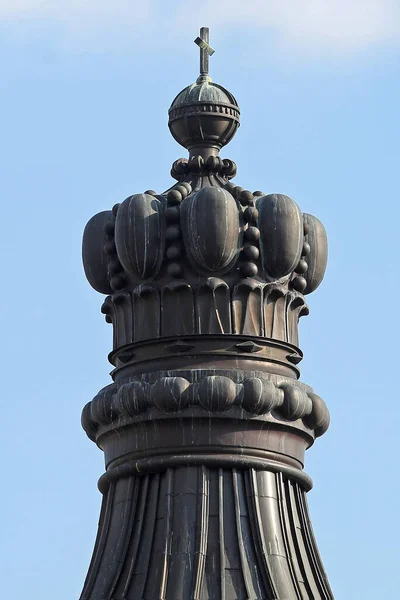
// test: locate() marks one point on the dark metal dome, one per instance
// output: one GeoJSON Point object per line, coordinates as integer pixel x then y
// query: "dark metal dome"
{"type": "Point", "coordinates": [205, 424]}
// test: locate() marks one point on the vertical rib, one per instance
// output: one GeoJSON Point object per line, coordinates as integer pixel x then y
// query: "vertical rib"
{"type": "Point", "coordinates": [312, 549]}
{"type": "Point", "coordinates": [141, 576]}
{"type": "Point", "coordinates": [300, 552]}
{"type": "Point", "coordinates": [250, 591]}
{"type": "Point", "coordinates": [266, 536]}
{"type": "Point", "coordinates": [142, 501]}
{"type": "Point", "coordinates": [167, 535]}
{"type": "Point", "coordinates": [287, 537]}
{"type": "Point", "coordinates": [184, 522]}
{"type": "Point", "coordinates": [201, 533]}
{"type": "Point", "coordinates": [126, 529]}
{"type": "Point", "coordinates": [221, 530]}
{"type": "Point", "coordinates": [101, 540]}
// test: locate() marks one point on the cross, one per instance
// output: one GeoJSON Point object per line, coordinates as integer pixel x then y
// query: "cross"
{"type": "Point", "coordinates": [205, 50]}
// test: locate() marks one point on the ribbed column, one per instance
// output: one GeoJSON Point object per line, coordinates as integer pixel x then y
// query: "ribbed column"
{"type": "Point", "coordinates": [205, 534]}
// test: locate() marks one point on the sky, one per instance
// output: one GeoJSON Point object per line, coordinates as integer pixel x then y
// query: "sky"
{"type": "Point", "coordinates": [84, 91]}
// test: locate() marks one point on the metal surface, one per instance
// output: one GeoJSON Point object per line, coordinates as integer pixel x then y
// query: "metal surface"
{"type": "Point", "coordinates": [205, 50]}
{"type": "Point", "coordinates": [205, 425]}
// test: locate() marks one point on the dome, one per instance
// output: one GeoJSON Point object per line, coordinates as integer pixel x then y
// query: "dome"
{"type": "Point", "coordinates": [204, 90]}
{"type": "Point", "coordinates": [204, 114]}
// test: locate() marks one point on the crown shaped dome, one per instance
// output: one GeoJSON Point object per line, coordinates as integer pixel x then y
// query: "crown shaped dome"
{"type": "Point", "coordinates": [205, 424]}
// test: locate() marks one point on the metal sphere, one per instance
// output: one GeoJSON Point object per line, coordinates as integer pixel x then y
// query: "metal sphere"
{"type": "Point", "coordinates": [251, 252]}
{"type": "Point", "coordinates": [174, 251]}
{"type": "Point", "coordinates": [172, 233]}
{"type": "Point", "coordinates": [174, 269]}
{"type": "Point", "coordinates": [299, 284]}
{"type": "Point", "coordinates": [174, 197]}
{"type": "Point", "coordinates": [252, 234]}
{"type": "Point", "coordinates": [302, 267]}
{"type": "Point", "coordinates": [172, 214]}
{"type": "Point", "coordinates": [251, 214]}
{"type": "Point", "coordinates": [249, 269]}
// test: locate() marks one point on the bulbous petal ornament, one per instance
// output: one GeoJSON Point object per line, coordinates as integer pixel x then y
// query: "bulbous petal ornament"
{"type": "Point", "coordinates": [216, 393]}
{"type": "Point", "coordinates": [139, 235]}
{"type": "Point", "coordinates": [296, 403]}
{"type": "Point", "coordinates": [259, 396]}
{"type": "Point", "coordinates": [319, 417]}
{"type": "Point", "coordinates": [281, 227]}
{"type": "Point", "coordinates": [131, 399]}
{"type": "Point", "coordinates": [168, 394]}
{"type": "Point", "coordinates": [211, 229]}
{"type": "Point", "coordinates": [94, 251]}
{"type": "Point", "coordinates": [318, 256]}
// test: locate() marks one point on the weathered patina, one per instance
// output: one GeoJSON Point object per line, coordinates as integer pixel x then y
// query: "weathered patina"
{"type": "Point", "coordinates": [205, 424]}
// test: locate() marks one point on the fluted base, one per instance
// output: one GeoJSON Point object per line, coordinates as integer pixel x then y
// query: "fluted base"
{"type": "Point", "coordinates": [205, 534]}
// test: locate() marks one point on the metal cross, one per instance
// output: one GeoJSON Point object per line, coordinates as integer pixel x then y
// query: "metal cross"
{"type": "Point", "coordinates": [205, 50]}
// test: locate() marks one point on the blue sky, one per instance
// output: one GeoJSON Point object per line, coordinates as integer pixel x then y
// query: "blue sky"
{"type": "Point", "coordinates": [85, 88]}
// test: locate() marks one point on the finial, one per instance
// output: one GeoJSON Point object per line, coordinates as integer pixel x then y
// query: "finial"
{"type": "Point", "coordinates": [204, 116]}
{"type": "Point", "coordinates": [205, 52]}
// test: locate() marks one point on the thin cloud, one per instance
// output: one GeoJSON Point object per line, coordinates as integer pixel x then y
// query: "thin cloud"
{"type": "Point", "coordinates": [78, 15]}
{"type": "Point", "coordinates": [313, 26]}
{"type": "Point", "coordinates": [319, 25]}
{"type": "Point", "coordinates": [71, 10]}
